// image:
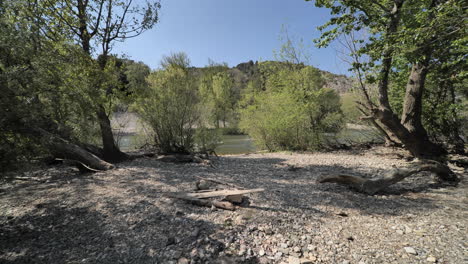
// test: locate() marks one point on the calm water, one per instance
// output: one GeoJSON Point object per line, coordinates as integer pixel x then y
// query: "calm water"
{"type": "Point", "coordinates": [231, 144]}
{"type": "Point", "coordinates": [236, 144]}
{"type": "Point", "coordinates": [240, 144]}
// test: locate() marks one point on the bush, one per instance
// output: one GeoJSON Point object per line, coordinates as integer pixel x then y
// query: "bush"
{"type": "Point", "coordinates": [293, 112]}
{"type": "Point", "coordinates": [169, 106]}
{"type": "Point", "coordinates": [207, 139]}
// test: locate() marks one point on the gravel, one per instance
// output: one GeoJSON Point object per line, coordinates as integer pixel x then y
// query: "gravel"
{"type": "Point", "coordinates": [56, 215]}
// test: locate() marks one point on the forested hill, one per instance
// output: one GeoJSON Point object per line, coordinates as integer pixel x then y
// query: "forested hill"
{"type": "Point", "coordinates": [247, 70]}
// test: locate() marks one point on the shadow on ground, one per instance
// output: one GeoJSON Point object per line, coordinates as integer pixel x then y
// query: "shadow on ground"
{"type": "Point", "coordinates": [121, 216]}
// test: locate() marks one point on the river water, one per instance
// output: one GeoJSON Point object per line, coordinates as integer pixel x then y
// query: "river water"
{"type": "Point", "coordinates": [230, 144]}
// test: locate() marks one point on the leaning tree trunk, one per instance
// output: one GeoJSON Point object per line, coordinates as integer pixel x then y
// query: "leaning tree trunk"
{"type": "Point", "coordinates": [412, 110]}
{"type": "Point", "coordinates": [110, 151]}
{"type": "Point", "coordinates": [64, 149]}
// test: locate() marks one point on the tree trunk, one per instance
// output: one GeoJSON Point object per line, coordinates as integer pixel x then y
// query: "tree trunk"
{"type": "Point", "coordinates": [409, 130]}
{"type": "Point", "coordinates": [62, 148]}
{"type": "Point", "coordinates": [412, 109]}
{"type": "Point", "coordinates": [110, 150]}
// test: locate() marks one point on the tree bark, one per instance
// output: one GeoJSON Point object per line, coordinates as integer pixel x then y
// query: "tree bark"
{"type": "Point", "coordinates": [374, 185]}
{"type": "Point", "coordinates": [110, 150]}
{"type": "Point", "coordinates": [420, 146]}
{"type": "Point", "coordinates": [408, 130]}
{"type": "Point", "coordinates": [62, 148]}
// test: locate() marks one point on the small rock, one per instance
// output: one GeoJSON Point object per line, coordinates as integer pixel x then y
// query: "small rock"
{"type": "Point", "coordinates": [400, 232]}
{"type": "Point", "coordinates": [311, 247]}
{"type": "Point", "coordinates": [294, 260]}
{"type": "Point", "coordinates": [261, 252]}
{"type": "Point", "coordinates": [410, 250]}
{"type": "Point", "coordinates": [431, 259]}
{"type": "Point", "coordinates": [183, 261]}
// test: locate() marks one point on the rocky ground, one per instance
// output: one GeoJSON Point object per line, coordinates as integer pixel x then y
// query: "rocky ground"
{"type": "Point", "coordinates": [56, 215]}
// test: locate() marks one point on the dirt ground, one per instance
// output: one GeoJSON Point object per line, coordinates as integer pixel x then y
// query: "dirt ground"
{"type": "Point", "coordinates": [57, 215]}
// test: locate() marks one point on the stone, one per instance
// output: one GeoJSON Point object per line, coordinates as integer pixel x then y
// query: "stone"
{"type": "Point", "coordinates": [294, 260]}
{"type": "Point", "coordinates": [410, 250]}
{"type": "Point", "coordinates": [297, 249]}
{"type": "Point", "coordinates": [400, 232]}
{"type": "Point", "coordinates": [311, 247]}
{"type": "Point", "coordinates": [431, 259]}
{"type": "Point", "coordinates": [261, 252]}
{"type": "Point", "coordinates": [183, 261]}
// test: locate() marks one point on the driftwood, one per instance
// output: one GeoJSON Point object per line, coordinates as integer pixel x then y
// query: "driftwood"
{"type": "Point", "coordinates": [374, 185]}
{"type": "Point", "coordinates": [203, 195]}
{"type": "Point", "coordinates": [203, 183]}
{"type": "Point", "coordinates": [199, 198]}
{"type": "Point", "coordinates": [203, 202]}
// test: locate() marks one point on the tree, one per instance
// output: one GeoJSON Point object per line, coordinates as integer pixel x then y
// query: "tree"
{"type": "Point", "coordinates": [293, 111]}
{"type": "Point", "coordinates": [412, 35]}
{"type": "Point", "coordinates": [98, 24]}
{"type": "Point", "coordinates": [169, 105]}
{"type": "Point", "coordinates": [408, 42]}
{"type": "Point", "coordinates": [222, 96]}
{"type": "Point", "coordinates": [44, 96]}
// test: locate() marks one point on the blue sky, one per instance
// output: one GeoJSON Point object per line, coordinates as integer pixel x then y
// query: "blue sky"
{"type": "Point", "coordinates": [231, 31]}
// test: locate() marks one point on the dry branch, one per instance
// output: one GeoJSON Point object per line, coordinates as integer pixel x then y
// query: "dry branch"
{"type": "Point", "coordinates": [374, 185]}
{"type": "Point", "coordinates": [218, 182]}
{"type": "Point", "coordinates": [203, 202]}
{"type": "Point", "coordinates": [220, 193]}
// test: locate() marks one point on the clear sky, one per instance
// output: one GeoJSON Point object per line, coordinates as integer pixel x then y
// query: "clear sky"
{"type": "Point", "coordinates": [231, 31]}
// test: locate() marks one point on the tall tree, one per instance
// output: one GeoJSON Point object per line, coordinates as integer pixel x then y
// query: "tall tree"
{"type": "Point", "coordinates": [409, 34]}
{"type": "Point", "coordinates": [96, 25]}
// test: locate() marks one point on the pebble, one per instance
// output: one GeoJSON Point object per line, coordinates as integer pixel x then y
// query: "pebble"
{"type": "Point", "coordinates": [410, 250]}
{"type": "Point", "coordinates": [431, 259]}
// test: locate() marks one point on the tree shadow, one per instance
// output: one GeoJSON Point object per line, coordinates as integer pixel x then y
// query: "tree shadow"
{"type": "Point", "coordinates": [297, 189]}
{"type": "Point", "coordinates": [75, 226]}
{"type": "Point", "coordinates": [122, 216]}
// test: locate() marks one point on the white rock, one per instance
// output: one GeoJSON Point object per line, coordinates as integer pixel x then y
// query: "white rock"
{"type": "Point", "coordinates": [431, 259]}
{"type": "Point", "coordinates": [410, 250]}
{"type": "Point", "coordinates": [294, 260]}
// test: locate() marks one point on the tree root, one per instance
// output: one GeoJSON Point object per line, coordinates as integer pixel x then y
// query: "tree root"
{"type": "Point", "coordinates": [374, 185]}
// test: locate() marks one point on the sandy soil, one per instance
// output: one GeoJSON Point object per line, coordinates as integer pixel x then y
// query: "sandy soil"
{"type": "Point", "coordinates": [56, 215]}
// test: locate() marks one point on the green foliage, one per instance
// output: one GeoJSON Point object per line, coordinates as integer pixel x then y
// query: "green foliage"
{"type": "Point", "coordinates": [218, 95]}
{"type": "Point", "coordinates": [207, 139]}
{"type": "Point", "coordinates": [349, 107]}
{"type": "Point", "coordinates": [424, 30]}
{"type": "Point", "coordinates": [169, 106]}
{"type": "Point", "coordinates": [293, 112]}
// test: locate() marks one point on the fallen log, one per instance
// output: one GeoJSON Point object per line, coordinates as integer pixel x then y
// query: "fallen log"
{"type": "Point", "coordinates": [374, 185]}
{"type": "Point", "coordinates": [65, 149]}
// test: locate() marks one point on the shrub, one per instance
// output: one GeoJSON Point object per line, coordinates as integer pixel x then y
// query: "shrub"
{"type": "Point", "coordinates": [169, 106]}
{"type": "Point", "coordinates": [293, 112]}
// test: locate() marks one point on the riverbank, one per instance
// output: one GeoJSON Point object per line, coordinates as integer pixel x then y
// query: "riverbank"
{"type": "Point", "coordinates": [56, 215]}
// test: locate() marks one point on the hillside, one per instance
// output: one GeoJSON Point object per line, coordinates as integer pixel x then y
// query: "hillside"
{"type": "Point", "coordinates": [246, 70]}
